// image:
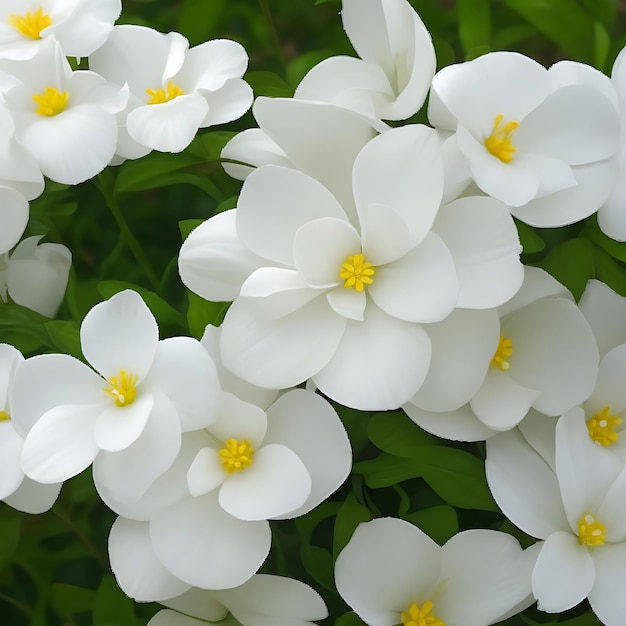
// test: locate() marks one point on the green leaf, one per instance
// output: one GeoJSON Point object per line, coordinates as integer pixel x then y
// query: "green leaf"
{"type": "Point", "coordinates": [269, 84]}
{"type": "Point", "coordinates": [209, 146]}
{"type": "Point", "coordinates": [351, 618]}
{"type": "Point", "coordinates": [603, 10]}
{"type": "Point", "coordinates": [319, 563]}
{"type": "Point", "coordinates": [350, 515]}
{"type": "Point", "coordinates": [10, 525]}
{"type": "Point", "coordinates": [186, 226]}
{"type": "Point", "coordinates": [610, 272]}
{"type": "Point", "coordinates": [602, 45]}
{"type": "Point", "coordinates": [617, 249]}
{"type": "Point", "coordinates": [396, 434]}
{"type": "Point", "coordinates": [386, 470]}
{"type": "Point", "coordinates": [530, 240]}
{"type": "Point", "coordinates": [438, 522]}
{"type": "Point", "coordinates": [69, 599]}
{"type": "Point", "coordinates": [149, 171]}
{"type": "Point", "coordinates": [65, 336]}
{"type": "Point", "coordinates": [474, 23]}
{"type": "Point", "coordinates": [298, 68]}
{"type": "Point", "coordinates": [112, 607]}
{"type": "Point", "coordinates": [564, 22]}
{"type": "Point", "coordinates": [457, 477]}
{"type": "Point", "coordinates": [572, 264]}
{"type": "Point", "coordinates": [201, 313]}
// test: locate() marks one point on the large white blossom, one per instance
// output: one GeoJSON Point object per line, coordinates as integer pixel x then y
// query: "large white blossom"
{"type": "Point", "coordinates": [174, 90]}
{"type": "Point", "coordinates": [391, 572]}
{"type": "Point", "coordinates": [391, 79]}
{"type": "Point", "coordinates": [339, 292]}
{"type": "Point", "coordinates": [543, 356]}
{"type": "Point", "coordinates": [542, 147]}
{"type": "Point", "coordinates": [16, 489]}
{"type": "Point", "coordinates": [575, 502]}
{"type": "Point", "coordinates": [35, 275]}
{"type": "Point", "coordinates": [80, 26]}
{"type": "Point", "coordinates": [65, 119]}
{"type": "Point", "coordinates": [129, 412]}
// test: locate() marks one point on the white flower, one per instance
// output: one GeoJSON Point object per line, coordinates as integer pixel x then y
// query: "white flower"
{"type": "Point", "coordinates": [13, 220]}
{"type": "Point", "coordinates": [35, 275]}
{"type": "Point", "coordinates": [16, 489]}
{"type": "Point", "coordinates": [541, 147]}
{"type": "Point", "coordinates": [391, 79]}
{"type": "Point", "coordinates": [545, 357]}
{"type": "Point", "coordinates": [576, 504]}
{"type": "Point", "coordinates": [80, 26]}
{"type": "Point", "coordinates": [391, 572]}
{"type": "Point", "coordinates": [174, 90]}
{"type": "Point", "coordinates": [341, 291]}
{"type": "Point", "coordinates": [129, 412]}
{"type": "Point", "coordinates": [64, 118]}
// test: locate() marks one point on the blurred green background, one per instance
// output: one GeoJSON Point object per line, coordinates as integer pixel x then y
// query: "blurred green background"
{"type": "Point", "coordinates": [53, 567]}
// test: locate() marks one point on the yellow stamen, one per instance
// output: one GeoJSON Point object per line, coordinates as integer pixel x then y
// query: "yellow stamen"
{"type": "Point", "coordinates": [4, 416]}
{"type": "Point", "coordinates": [123, 388]}
{"type": "Point", "coordinates": [357, 272]}
{"type": "Point", "coordinates": [159, 96]}
{"type": "Point", "coordinates": [236, 455]}
{"type": "Point", "coordinates": [51, 101]}
{"type": "Point", "coordinates": [30, 24]}
{"type": "Point", "coordinates": [590, 531]}
{"type": "Point", "coordinates": [499, 143]}
{"type": "Point", "coordinates": [603, 426]}
{"type": "Point", "coordinates": [503, 352]}
{"type": "Point", "coordinates": [420, 616]}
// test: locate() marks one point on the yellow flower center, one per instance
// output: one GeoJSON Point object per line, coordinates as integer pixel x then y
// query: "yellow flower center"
{"type": "Point", "coordinates": [159, 96]}
{"type": "Point", "coordinates": [499, 143]}
{"type": "Point", "coordinates": [420, 616]}
{"type": "Point", "coordinates": [356, 272]}
{"type": "Point", "coordinates": [503, 352]}
{"type": "Point", "coordinates": [123, 388]}
{"type": "Point", "coordinates": [30, 24]}
{"type": "Point", "coordinates": [4, 416]}
{"type": "Point", "coordinates": [590, 531]}
{"type": "Point", "coordinates": [51, 101]}
{"type": "Point", "coordinates": [236, 455]}
{"type": "Point", "coordinates": [603, 426]}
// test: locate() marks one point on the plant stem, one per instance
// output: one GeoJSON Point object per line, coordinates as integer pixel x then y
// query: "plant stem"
{"type": "Point", "coordinates": [104, 184]}
{"type": "Point", "coordinates": [271, 27]}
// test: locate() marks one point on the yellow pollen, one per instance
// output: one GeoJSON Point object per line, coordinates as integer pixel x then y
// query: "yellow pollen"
{"type": "Point", "coordinates": [4, 416]}
{"type": "Point", "coordinates": [123, 388]}
{"type": "Point", "coordinates": [357, 272]}
{"type": "Point", "coordinates": [503, 352]}
{"type": "Point", "coordinates": [420, 616]}
{"type": "Point", "coordinates": [159, 96]}
{"type": "Point", "coordinates": [236, 455]}
{"type": "Point", "coordinates": [590, 531]}
{"type": "Point", "coordinates": [30, 24]}
{"type": "Point", "coordinates": [51, 101]}
{"type": "Point", "coordinates": [499, 143]}
{"type": "Point", "coordinates": [602, 427]}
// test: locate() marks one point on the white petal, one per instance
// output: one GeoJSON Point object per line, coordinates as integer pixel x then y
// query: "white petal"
{"type": "Point", "coordinates": [398, 169]}
{"type": "Point", "coordinates": [119, 427]}
{"type": "Point", "coordinates": [348, 303]}
{"type": "Point", "coordinates": [379, 364]}
{"type": "Point", "coordinates": [168, 126]}
{"type": "Point", "coordinates": [487, 574]}
{"type": "Point", "coordinates": [463, 345]}
{"type": "Point", "coordinates": [564, 560]}
{"type": "Point", "coordinates": [239, 420]}
{"type": "Point", "coordinates": [129, 473]}
{"type": "Point", "coordinates": [308, 425]}
{"type": "Point", "coordinates": [138, 572]}
{"type": "Point", "coordinates": [459, 425]}
{"type": "Point", "coordinates": [206, 547]}
{"type": "Point", "coordinates": [387, 564]}
{"type": "Point", "coordinates": [120, 334]}
{"type": "Point", "coordinates": [200, 604]}
{"type": "Point", "coordinates": [11, 474]}
{"type": "Point", "coordinates": [183, 371]}
{"type": "Point", "coordinates": [607, 597]}
{"type": "Point", "coordinates": [274, 203]}
{"type": "Point", "coordinates": [422, 286]}
{"type": "Point", "coordinates": [206, 472]}
{"type": "Point", "coordinates": [268, 353]}
{"type": "Point", "coordinates": [213, 262]}
{"type": "Point", "coordinates": [33, 497]}
{"type": "Point", "coordinates": [13, 217]}
{"type": "Point", "coordinates": [524, 486]}
{"type": "Point", "coordinates": [483, 240]}
{"type": "Point", "coordinates": [276, 484]}
{"type": "Point", "coordinates": [61, 444]}
{"type": "Point", "coordinates": [228, 103]}
{"type": "Point", "coordinates": [609, 390]}
{"type": "Point", "coordinates": [172, 618]}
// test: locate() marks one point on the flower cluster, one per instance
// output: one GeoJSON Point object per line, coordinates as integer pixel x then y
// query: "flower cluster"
{"type": "Point", "coordinates": [369, 267]}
